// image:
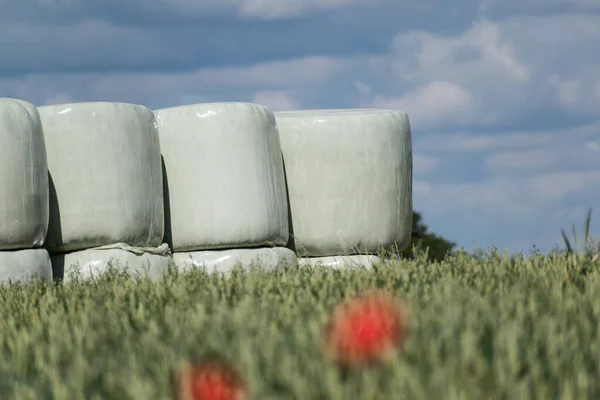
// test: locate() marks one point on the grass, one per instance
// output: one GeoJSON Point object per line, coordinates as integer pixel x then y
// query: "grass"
{"type": "Point", "coordinates": [484, 326]}
{"type": "Point", "coordinates": [589, 245]}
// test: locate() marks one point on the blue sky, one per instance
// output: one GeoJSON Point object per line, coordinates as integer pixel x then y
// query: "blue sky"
{"type": "Point", "coordinates": [503, 95]}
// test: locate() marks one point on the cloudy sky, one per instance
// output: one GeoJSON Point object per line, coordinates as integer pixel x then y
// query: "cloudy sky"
{"type": "Point", "coordinates": [503, 95]}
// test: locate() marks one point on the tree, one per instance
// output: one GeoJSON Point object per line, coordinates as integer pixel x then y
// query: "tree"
{"type": "Point", "coordinates": [439, 247]}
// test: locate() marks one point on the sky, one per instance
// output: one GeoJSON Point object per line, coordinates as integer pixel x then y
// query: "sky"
{"type": "Point", "coordinates": [503, 96]}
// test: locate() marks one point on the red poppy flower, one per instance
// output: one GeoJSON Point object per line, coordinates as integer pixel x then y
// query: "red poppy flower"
{"type": "Point", "coordinates": [212, 380]}
{"type": "Point", "coordinates": [365, 329]}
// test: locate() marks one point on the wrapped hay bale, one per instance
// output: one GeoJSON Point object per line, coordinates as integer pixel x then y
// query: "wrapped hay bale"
{"type": "Point", "coordinates": [24, 265]}
{"type": "Point", "coordinates": [340, 262]}
{"type": "Point", "coordinates": [23, 177]}
{"type": "Point", "coordinates": [349, 180]}
{"type": "Point", "coordinates": [223, 261]}
{"type": "Point", "coordinates": [90, 263]}
{"type": "Point", "coordinates": [105, 176]}
{"type": "Point", "coordinates": [225, 185]}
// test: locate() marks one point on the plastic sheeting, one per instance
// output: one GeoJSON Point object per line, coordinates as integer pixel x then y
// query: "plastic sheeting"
{"type": "Point", "coordinates": [341, 262]}
{"type": "Point", "coordinates": [152, 262]}
{"type": "Point", "coordinates": [349, 177]}
{"type": "Point", "coordinates": [23, 177]}
{"type": "Point", "coordinates": [24, 265]}
{"type": "Point", "coordinates": [105, 176]}
{"type": "Point", "coordinates": [225, 181]}
{"type": "Point", "coordinates": [224, 261]}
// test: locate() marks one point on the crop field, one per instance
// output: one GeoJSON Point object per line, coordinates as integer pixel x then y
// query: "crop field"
{"type": "Point", "coordinates": [483, 326]}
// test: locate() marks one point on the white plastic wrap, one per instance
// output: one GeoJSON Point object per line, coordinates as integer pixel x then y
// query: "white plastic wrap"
{"type": "Point", "coordinates": [225, 181]}
{"type": "Point", "coordinates": [341, 262]}
{"type": "Point", "coordinates": [150, 261]}
{"type": "Point", "coordinates": [105, 176]}
{"type": "Point", "coordinates": [224, 261]}
{"type": "Point", "coordinates": [23, 177]}
{"type": "Point", "coordinates": [24, 265]}
{"type": "Point", "coordinates": [349, 177]}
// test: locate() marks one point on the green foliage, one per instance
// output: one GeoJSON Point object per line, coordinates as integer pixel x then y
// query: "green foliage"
{"type": "Point", "coordinates": [486, 326]}
{"type": "Point", "coordinates": [436, 247]}
{"type": "Point", "coordinates": [588, 245]}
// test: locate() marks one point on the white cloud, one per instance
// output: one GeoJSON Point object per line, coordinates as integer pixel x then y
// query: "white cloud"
{"type": "Point", "coordinates": [490, 7]}
{"type": "Point", "coordinates": [277, 74]}
{"type": "Point", "coordinates": [519, 160]}
{"type": "Point", "coordinates": [423, 163]}
{"type": "Point", "coordinates": [289, 73]}
{"type": "Point", "coordinates": [276, 9]}
{"type": "Point", "coordinates": [510, 211]}
{"type": "Point", "coordinates": [516, 187]}
{"type": "Point", "coordinates": [52, 46]}
{"type": "Point", "coordinates": [171, 88]}
{"type": "Point", "coordinates": [593, 146]}
{"type": "Point", "coordinates": [554, 156]}
{"type": "Point", "coordinates": [521, 196]}
{"type": "Point", "coordinates": [522, 178]}
{"type": "Point", "coordinates": [275, 100]}
{"type": "Point", "coordinates": [263, 9]}
{"type": "Point", "coordinates": [525, 187]}
{"type": "Point", "coordinates": [568, 92]}
{"type": "Point", "coordinates": [507, 140]}
{"type": "Point", "coordinates": [59, 98]}
{"type": "Point", "coordinates": [362, 88]}
{"type": "Point", "coordinates": [470, 73]}
{"type": "Point", "coordinates": [502, 71]}
{"type": "Point", "coordinates": [256, 9]}
{"type": "Point", "coordinates": [484, 45]}
{"type": "Point", "coordinates": [421, 188]}
{"type": "Point", "coordinates": [428, 105]}
{"type": "Point", "coordinates": [484, 41]}
{"type": "Point", "coordinates": [577, 95]}
{"type": "Point", "coordinates": [553, 187]}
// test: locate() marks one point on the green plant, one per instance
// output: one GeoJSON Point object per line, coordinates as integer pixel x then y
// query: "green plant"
{"type": "Point", "coordinates": [491, 326]}
{"type": "Point", "coordinates": [426, 243]}
{"type": "Point", "coordinates": [588, 246]}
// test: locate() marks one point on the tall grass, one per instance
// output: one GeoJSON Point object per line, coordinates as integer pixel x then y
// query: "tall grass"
{"type": "Point", "coordinates": [588, 244]}
{"type": "Point", "coordinates": [485, 326]}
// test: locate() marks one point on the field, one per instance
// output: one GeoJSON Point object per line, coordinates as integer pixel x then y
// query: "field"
{"type": "Point", "coordinates": [483, 326]}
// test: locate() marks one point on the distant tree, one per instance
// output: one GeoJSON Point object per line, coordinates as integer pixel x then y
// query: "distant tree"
{"type": "Point", "coordinates": [439, 247]}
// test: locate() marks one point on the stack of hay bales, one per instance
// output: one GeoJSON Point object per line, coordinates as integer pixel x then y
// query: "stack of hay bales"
{"type": "Point", "coordinates": [225, 192]}
{"type": "Point", "coordinates": [106, 200]}
{"type": "Point", "coordinates": [349, 177]}
{"type": "Point", "coordinates": [23, 194]}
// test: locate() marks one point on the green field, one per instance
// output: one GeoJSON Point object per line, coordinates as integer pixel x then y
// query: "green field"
{"type": "Point", "coordinates": [483, 326]}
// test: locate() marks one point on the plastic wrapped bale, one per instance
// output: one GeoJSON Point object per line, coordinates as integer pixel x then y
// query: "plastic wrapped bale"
{"type": "Point", "coordinates": [225, 184]}
{"type": "Point", "coordinates": [22, 266]}
{"type": "Point", "coordinates": [223, 261]}
{"type": "Point", "coordinates": [341, 262]}
{"type": "Point", "coordinates": [152, 262]}
{"type": "Point", "coordinates": [349, 180]}
{"type": "Point", "coordinates": [23, 177]}
{"type": "Point", "coordinates": [105, 176]}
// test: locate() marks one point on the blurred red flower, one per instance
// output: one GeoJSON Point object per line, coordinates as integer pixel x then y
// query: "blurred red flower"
{"type": "Point", "coordinates": [210, 380]}
{"type": "Point", "coordinates": [365, 329]}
